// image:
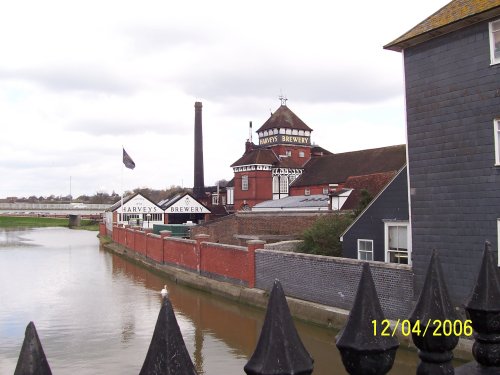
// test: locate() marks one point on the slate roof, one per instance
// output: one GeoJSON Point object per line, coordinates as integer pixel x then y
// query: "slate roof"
{"type": "Point", "coordinates": [284, 118]}
{"type": "Point", "coordinates": [314, 202]}
{"type": "Point", "coordinates": [337, 168]}
{"type": "Point", "coordinates": [257, 156]}
{"type": "Point", "coordinates": [453, 16]}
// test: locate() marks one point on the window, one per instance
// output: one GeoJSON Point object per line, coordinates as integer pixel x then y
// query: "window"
{"type": "Point", "coordinates": [288, 153]}
{"type": "Point", "coordinates": [325, 191]}
{"type": "Point", "coordinates": [215, 200]}
{"type": "Point", "coordinates": [396, 243]}
{"type": "Point", "coordinates": [307, 191]}
{"type": "Point", "coordinates": [152, 217]}
{"type": "Point", "coordinates": [244, 182]}
{"type": "Point", "coordinates": [301, 154]}
{"type": "Point", "coordinates": [284, 184]}
{"type": "Point", "coordinates": [495, 41]}
{"type": "Point", "coordinates": [496, 125]}
{"type": "Point", "coordinates": [365, 249]}
{"type": "Point", "coordinates": [276, 185]}
{"type": "Point", "coordinates": [498, 240]}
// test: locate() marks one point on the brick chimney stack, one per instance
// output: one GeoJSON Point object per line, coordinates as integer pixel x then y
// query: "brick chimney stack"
{"type": "Point", "coordinates": [199, 183]}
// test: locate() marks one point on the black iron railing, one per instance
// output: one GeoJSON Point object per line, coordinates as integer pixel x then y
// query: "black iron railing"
{"type": "Point", "coordinates": [367, 344]}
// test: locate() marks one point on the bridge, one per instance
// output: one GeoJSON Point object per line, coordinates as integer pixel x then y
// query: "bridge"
{"type": "Point", "coordinates": [53, 209]}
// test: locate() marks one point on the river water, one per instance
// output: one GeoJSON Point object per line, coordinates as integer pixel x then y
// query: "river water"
{"type": "Point", "coordinates": [95, 312]}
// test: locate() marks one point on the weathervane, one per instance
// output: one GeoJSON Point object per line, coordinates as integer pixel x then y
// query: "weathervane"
{"type": "Point", "coordinates": [283, 99]}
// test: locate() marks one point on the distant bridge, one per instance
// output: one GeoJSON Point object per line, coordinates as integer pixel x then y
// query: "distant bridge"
{"type": "Point", "coordinates": [49, 209]}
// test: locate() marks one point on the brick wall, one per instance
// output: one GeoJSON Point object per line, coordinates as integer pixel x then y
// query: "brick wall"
{"type": "Point", "coordinates": [236, 229]}
{"type": "Point", "coordinates": [180, 252]}
{"type": "Point", "coordinates": [154, 246]}
{"type": "Point", "coordinates": [334, 281]}
{"type": "Point", "coordinates": [224, 262]}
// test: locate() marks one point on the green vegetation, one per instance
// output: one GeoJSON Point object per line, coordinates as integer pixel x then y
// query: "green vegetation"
{"type": "Point", "coordinates": [323, 237]}
{"type": "Point", "coordinates": [29, 221]}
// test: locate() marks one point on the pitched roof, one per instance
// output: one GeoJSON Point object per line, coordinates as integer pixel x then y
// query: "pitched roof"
{"type": "Point", "coordinates": [284, 118]}
{"type": "Point", "coordinates": [337, 168]}
{"type": "Point", "coordinates": [373, 183]}
{"type": "Point", "coordinates": [257, 156]}
{"type": "Point", "coordinates": [118, 204]}
{"type": "Point", "coordinates": [453, 16]}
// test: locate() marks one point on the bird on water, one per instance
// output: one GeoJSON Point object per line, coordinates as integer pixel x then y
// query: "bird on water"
{"type": "Point", "coordinates": [164, 291]}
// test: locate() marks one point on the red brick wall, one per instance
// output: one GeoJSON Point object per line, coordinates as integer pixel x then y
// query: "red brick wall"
{"type": "Point", "coordinates": [314, 189]}
{"type": "Point", "coordinates": [181, 252]}
{"type": "Point", "coordinates": [154, 245]}
{"type": "Point", "coordinates": [265, 225]}
{"type": "Point", "coordinates": [140, 242]}
{"type": "Point", "coordinates": [130, 238]}
{"type": "Point", "coordinates": [102, 229]}
{"type": "Point", "coordinates": [224, 260]}
{"type": "Point", "coordinates": [282, 149]}
{"type": "Point", "coordinates": [260, 188]}
{"type": "Point", "coordinates": [234, 264]}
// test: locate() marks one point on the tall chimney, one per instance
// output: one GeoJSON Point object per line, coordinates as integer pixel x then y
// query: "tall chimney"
{"type": "Point", "coordinates": [199, 183]}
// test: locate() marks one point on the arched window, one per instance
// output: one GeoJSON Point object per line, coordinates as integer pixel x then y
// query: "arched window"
{"type": "Point", "coordinates": [284, 184]}
{"type": "Point", "coordinates": [276, 185]}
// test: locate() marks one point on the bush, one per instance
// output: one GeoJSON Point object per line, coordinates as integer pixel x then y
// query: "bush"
{"type": "Point", "coordinates": [323, 237]}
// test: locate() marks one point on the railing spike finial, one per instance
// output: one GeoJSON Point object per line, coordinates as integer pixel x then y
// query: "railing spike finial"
{"type": "Point", "coordinates": [167, 353]}
{"type": "Point", "coordinates": [432, 309]}
{"type": "Point", "coordinates": [32, 359]}
{"type": "Point", "coordinates": [483, 309]}
{"type": "Point", "coordinates": [363, 351]}
{"type": "Point", "coordinates": [279, 350]}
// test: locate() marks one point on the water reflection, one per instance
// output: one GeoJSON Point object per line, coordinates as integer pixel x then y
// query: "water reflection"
{"type": "Point", "coordinates": [95, 312]}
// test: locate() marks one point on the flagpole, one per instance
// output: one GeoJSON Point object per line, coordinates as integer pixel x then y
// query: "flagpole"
{"type": "Point", "coordinates": [122, 188]}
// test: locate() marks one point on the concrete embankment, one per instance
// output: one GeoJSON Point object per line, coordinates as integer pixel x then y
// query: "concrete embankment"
{"type": "Point", "coordinates": [303, 310]}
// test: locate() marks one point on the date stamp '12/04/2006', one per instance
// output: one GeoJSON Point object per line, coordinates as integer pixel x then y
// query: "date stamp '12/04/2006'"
{"type": "Point", "coordinates": [434, 327]}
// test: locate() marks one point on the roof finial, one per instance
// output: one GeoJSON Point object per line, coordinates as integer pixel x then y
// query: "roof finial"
{"type": "Point", "coordinates": [283, 99]}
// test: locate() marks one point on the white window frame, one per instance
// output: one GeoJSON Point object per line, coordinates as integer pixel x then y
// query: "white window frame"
{"type": "Point", "coordinates": [494, 59]}
{"type": "Point", "coordinates": [496, 128]}
{"type": "Point", "coordinates": [307, 191]}
{"type": "Point", "coordinates": [498, 241]}
{"type": "Point", "coordinates": [326, 191]}
{"type": "Point", "coordinates": [386, 239]}
{"type": "Point", "coordinates": [244, 182]}
{"type": "Point", "coordinates": [302, 154]}
{"type": "Point", "coordinates": [284, 185]}
{"type": "Point", "coordinates": [215, 199]}
{"type": "Point", "coordinates": [365, 251]}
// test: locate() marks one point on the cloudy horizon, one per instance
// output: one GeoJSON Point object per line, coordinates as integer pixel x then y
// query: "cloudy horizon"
{"type": "Point", "coordinates": [80, 80]}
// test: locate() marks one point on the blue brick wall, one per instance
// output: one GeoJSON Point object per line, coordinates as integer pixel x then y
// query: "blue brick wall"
{"type": "Point", "coordinates": [334, 281]}
{"type": "Point", "coordinates": [391, 204]}
{"type": "Point", "coordinates": [452, 100]}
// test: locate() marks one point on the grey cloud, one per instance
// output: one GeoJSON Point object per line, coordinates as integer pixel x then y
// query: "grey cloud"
{"type": "Point", "coordinates": [151, 38]}
{"type": "Point", "coordinates": [120, 126]}
{"type": "Point", "coordinates": [84, 78]}
{"type": "Point", "coordinates": [307, 84]}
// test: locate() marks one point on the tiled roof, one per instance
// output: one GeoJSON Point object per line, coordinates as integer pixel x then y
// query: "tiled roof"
{"type": "Point", "coordinates": [373, 183]}
{"type": "Point", "coordinates": [284, 118]}
{"type": "Point", "coordinates": [453, 16]}
{"type": "Point", "coordinates": [257, 156]}
{"type": "Point", "coordinates": [337, 168]}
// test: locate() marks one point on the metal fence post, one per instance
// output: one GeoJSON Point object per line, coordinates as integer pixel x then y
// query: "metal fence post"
{"type": "Point", "coordinates": [483, 308]}
{"type": "Point", "coordinates": [167, 353]}
{"type": "Point", "coordinates": [32, 360]}
{"type": "Point", "coordinates": [433, 308]}
{"type": "Point", "coordinates": [279, 350]}
{"type": "Point", "coordinates": [363, 347]}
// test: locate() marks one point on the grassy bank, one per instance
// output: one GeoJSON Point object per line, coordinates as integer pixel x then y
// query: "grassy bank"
{"type": "Point", "coordinates": [28, 221]}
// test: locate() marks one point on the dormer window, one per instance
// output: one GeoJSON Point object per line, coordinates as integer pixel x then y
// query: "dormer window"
{"type": "Point", "coordinates": [495, 41]}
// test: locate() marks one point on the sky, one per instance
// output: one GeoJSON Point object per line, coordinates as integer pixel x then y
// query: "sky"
{"type": "Point", "coordinates": [79, 80]}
